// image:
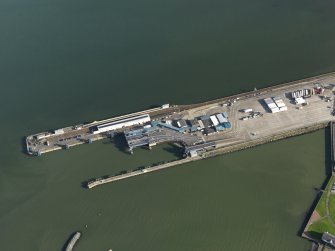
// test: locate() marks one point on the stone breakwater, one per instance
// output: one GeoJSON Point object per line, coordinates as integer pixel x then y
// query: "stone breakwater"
{"type": "Point", "coordinates": [209, 154]}
{"type": "Point", "coordinates": [265, 140]}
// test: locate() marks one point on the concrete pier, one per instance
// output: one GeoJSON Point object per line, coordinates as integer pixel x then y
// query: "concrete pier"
{"type": "Point", "coordinates": [318, 110]}
{"type": "Point", "coordinates": [73, 241]}
{"type": "Point", "coordinates": [102, 181]}
{"type": "Point", "coordinates": [197, 128]}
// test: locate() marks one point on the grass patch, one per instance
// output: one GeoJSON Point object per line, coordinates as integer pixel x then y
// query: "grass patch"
{"type": "Point", "coordinates": [321, 206]}
{"type": "Point", "coordinates": [332, 206]}
{"type": "Point", "coordinates": [317, 228]}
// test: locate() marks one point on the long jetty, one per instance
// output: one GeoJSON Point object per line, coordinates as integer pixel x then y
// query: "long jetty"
{"type": "Point", "coordinates": [73, 241]}
{"type": "Point", "coordinates": [102, 181]}
{"type": "Point", "coordinates": [207, 154]}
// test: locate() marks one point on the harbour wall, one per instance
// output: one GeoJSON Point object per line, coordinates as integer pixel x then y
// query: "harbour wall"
{"type": "Point", "coordinates": [261, 141]}
{"type": "Point", "coordinates": [213, 153]}
{"type": "Point", "coordinates": [72, 241]}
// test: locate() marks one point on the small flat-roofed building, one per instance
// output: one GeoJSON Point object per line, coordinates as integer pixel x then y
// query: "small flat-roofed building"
{"type": "Point", "coordinates": [181, 123]}
{"type": "Point", "coordinates": [275, 104]}
{"type": "Point", "coordinates": [299, 101]}
{"type": "Point", "coordinates": [227, 125]}
{"type": "Point", "coordinates": [214, 120]}
{"type": "Point", "coordinates": [275, 110]}
{"type": "Point", "coordinates": [268, 101]}
{"type": "Point", "coordinates": [194, 124]}
{"type": "Point", "coordinates": [136, 138]}
{"type": "Point", "coordinates": [204, 117]}
{"type": "Point", "coordinates": [221, 118]}
{"type": "Point", "coordinates": [272, 105]}
{"type": "Point", "coordinates": [219, 128]}
{"type": "Point", "coordinates": [209, 130]}
{"type": "Point", "coordinates": [328, 238]}
{"type": "Point", "coordinates": [195, 150]}
{"type": "Point", "coordinates": [207, 123]}
{"type": "Point", "coordinates": [193, 153]}
{"type": "Point", "coordinates": [202, 126]}
{"type": "Point", "coordinates": [42, 136]}
{"type": "Point", "coordinates": [58, 131]}
{"type": "Point", "coordinates": [118, 124]}
{"type": "Point", "coordinates": [279, 102]}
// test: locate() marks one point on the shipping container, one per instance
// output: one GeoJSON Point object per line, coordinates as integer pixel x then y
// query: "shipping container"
{"type": "Point", "coordinates": [280, 104]}
{"type": "Point", "coordinates": [247, 110]}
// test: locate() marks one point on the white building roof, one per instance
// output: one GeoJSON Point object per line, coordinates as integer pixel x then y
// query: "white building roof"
{"type": "Point", "coordinates": [221, 118]}
{"type": "Point", "coordinates": [59, 131]}
{"type": "Point", "coordinates": [214, 120]}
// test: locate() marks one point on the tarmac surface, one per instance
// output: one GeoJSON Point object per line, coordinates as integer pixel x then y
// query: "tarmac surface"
{"type": "Point", "coordinates": [318, 110]}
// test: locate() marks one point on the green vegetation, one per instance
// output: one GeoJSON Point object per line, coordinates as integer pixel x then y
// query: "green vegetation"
{"type": "Point", "coordinates": [326, 222]}
{"type": "Point", "coordinates": [323, 225]}
{"type": "Point", "coordinates": [332, 206]}
{"type": "Point", "coordinates": [321, 206]}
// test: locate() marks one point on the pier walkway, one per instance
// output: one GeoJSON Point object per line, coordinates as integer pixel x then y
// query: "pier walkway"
{"type": "Point", "coordinates": [73, 241]}
{"type": "Point", "coordinates": [98, 182]}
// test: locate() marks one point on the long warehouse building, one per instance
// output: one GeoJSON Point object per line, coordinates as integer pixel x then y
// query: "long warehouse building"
{"type": "Point", "coordinates": [136, 120]}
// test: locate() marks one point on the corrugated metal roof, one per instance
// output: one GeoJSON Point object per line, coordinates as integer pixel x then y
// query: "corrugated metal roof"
{"type": "Point", "coordinates": [227, 125]}
{"type": "Point", "coordinates": [204, 117]}
{"type": "Point", "coordinates": [219, 127]}
{"type": "Point", "coordinates": [181, 123]}
{"type": "Point", "coordinates": [221, 118]}
{"type": "Point", "coordinates": [214, 120]}
{"type": "Point", "coordinates": [272, 105]}
{"type": "Point", "coordinates": [202, 126]}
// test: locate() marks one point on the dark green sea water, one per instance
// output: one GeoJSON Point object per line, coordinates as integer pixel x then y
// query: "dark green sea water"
{"type": "Point", "coordinates": [64, 62]}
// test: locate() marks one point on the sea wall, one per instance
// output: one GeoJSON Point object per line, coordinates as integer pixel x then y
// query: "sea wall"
{"type": "Point", "coordinates": [212, 153]}
{"type": "Point", "coordinates": [261, 141]}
